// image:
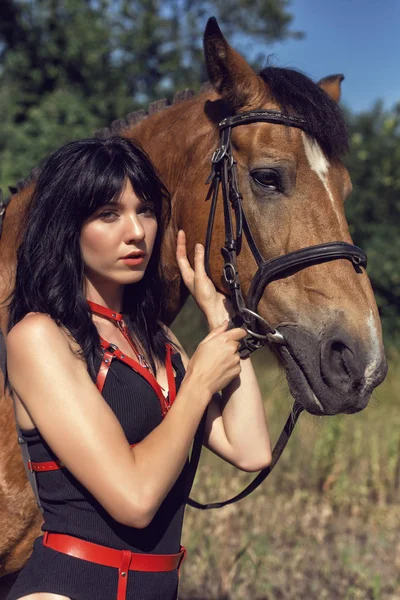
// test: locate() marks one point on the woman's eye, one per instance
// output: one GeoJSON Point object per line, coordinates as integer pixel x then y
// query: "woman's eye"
{"type": "Point", "coordinates": [268, 179]}
{"type": "Point", "coordinates": [148, 209]}
{"type": "Point", "coordinates": [108, 215]}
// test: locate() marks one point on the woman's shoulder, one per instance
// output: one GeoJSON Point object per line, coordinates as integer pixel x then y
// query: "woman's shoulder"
{"type": "Point", "coordinates": [40, 331]}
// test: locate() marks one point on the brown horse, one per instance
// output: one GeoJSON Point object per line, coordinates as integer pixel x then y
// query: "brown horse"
{"type": "Point", "coordinates": [294, 186]}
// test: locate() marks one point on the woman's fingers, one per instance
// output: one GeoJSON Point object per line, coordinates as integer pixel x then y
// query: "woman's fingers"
{"type": "Point", "coordinates": [196, 280]}
{"type": "Point", "coordinates": [216, 331]}
{"type": "Point", "coordinates": [236, 334]}
{"type": "Point", "coordinates": [199, 267]}
{"type": "Point", "coordinates": [182, 259]}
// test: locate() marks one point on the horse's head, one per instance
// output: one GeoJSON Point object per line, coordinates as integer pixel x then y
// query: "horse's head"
{"type": "Point", "coordinates": [294, 186]}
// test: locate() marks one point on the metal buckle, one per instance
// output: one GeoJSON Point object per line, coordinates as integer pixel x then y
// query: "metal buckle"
{"type": "Point", "coordinates": [228, 279]}
{"type": "Point", "coordinates": [112, 348]}
{"type": "Point", "coordinates": [143, 362]}
{"type": "Point", "coordinates": [273, 335]}
{"type": "Point", "coordinates": [218, 154]}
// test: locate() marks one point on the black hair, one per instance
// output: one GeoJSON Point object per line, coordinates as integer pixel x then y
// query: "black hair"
{"type": "Point", "coordinates": [73, 183]}
{"type": "Point", "coordinates": [295, 92]}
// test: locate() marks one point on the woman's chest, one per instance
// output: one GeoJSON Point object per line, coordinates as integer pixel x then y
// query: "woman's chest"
{"type": "Point", "coordinates": [133, 400]}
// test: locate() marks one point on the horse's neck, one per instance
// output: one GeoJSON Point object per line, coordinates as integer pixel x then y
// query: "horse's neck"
{"type": "Point", "coordinates": [9, 241]}
{"type": "Point", "coordinates": [177, 139]}
{"type": "Point", "coordinates": [180, 141]}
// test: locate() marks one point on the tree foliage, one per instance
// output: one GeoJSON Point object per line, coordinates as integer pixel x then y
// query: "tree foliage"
{"type": "Point", "coordinates": [373, 209]}
{"type": "Point", "coordinates": [71, 66]}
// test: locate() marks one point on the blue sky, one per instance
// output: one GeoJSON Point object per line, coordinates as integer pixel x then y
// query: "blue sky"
{"type": "Point", "coordinates": [359, 38]}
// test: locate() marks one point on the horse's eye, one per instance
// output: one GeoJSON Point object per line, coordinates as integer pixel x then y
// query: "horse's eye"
{"type": "Point", "coordinates": [267, 179]}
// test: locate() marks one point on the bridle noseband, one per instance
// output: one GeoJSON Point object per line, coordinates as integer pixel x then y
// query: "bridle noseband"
{"type": "Point", "coordinates": [224, 173]}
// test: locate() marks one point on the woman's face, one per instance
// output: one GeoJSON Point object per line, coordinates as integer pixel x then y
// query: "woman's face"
{"type": "Point", "coordinates": [118, 239]}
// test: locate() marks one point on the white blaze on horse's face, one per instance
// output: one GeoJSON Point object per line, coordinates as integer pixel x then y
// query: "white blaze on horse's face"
{"type": "Point", "coordinates": [374, 350]}
{"type": "Point", "coordinates": [320, 165]}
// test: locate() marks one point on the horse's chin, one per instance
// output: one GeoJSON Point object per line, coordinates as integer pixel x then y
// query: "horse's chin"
{"type": "Point", "coordinates": [299, 385]}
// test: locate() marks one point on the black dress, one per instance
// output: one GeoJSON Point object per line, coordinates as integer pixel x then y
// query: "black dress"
{"type": "Point", "coordinates": [69, 508]}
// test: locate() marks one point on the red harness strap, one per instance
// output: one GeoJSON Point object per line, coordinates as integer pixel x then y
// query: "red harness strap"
{"type": "Point", "coordinates": [110, 351]}
{"type": "Point", "coordinates": [105, 365]}
{"type": "Point", "coordinates": [123, 560]}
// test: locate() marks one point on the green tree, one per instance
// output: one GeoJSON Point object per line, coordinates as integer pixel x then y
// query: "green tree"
{"type": "Point", "coordinates": [373, 209]}
{"type": "Point", "coordinates": [68, 67]}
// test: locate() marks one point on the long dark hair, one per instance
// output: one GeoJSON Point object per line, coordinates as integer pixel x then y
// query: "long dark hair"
{"type": "Point", "coordinates": [73, 183]}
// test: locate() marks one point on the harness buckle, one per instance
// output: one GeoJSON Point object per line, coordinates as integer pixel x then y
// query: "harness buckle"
{"type": "Point", "coordinates": [273, 335]}
{"type": "Point", "coordinates": [219, 154]}
{"type": "Point", "coordinates": [112, 348]}
{"type": "Point", "coordinates": [230, 277]}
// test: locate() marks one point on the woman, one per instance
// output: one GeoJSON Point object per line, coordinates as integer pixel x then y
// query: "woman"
{"type": "Point", "coordinates": [108, 444]}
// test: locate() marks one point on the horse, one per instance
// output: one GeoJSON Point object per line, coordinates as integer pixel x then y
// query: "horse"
{"type": "Point", "coordinates": [291, 185]}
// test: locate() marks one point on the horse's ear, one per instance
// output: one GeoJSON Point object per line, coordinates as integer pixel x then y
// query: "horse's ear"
{"type": "Point", "coordinates": [229, 73]}
{"type": "Point", "coordinates": [331, 85]}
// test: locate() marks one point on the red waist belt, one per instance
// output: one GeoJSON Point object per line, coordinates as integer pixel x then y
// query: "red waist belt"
{"type": "Point", "coordinates": [123, 560]}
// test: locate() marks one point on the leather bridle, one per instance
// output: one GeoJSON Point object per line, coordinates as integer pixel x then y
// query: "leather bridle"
{"type": "Point", "coordinates": [260, 332]}
{"type": "Point", "coordinates": [224, 173]}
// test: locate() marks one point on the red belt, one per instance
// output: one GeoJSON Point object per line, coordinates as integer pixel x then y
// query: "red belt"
{"type": "Point", "coordinates": [123, 560]}
{"type": "Point", "coordinates": [49, 465]}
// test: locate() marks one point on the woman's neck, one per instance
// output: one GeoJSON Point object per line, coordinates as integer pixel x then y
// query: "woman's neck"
{"type": "Point", "coordinates": [105, 294]}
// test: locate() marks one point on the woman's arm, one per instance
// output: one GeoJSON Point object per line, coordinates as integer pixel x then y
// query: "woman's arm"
{"type": "Point", "coordinates": [54, 386]}
{"type": "Point", "coordinates": [236, 423]}
{"type": "Point", "coordinates": [236, 426]}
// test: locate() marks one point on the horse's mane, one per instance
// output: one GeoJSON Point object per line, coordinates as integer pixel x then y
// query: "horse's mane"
{"type": "Point", "coordinates": [292, 90]}
{"type": "Point", "coordinates": [120, 126]}
{"type": "Point", "coordinates": [295, 92]}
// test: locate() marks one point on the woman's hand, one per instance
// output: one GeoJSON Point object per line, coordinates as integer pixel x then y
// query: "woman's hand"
{"type": "Point", "coordinates": [216, 361]}
{"type": "Point", "coordinates": [215, 306]}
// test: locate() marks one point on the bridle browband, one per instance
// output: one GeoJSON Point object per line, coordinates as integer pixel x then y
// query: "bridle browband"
{"type": "Point", "coordinates": [260, 332]}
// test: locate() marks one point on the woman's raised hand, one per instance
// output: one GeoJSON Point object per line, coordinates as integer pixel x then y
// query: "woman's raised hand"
{"type": "Point", "coordinates": [216, 361]}
{"type": "Point", "coordinates": [215, 306]}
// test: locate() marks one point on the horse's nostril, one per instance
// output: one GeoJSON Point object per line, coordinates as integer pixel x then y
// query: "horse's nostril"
{"type": "Point", "coordinates": [338, 346]}
{"type": "Point", "coordinates": [339, 368]}
{"type": "Point", "coordinates": [340, 358]}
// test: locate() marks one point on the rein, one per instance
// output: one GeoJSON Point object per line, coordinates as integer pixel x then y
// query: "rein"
{"type": "Point", "coordinates": [259, 331]}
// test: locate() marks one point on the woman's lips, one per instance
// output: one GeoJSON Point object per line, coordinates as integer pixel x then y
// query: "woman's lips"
{"type": "Point", "coordinates": [133, 260]}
